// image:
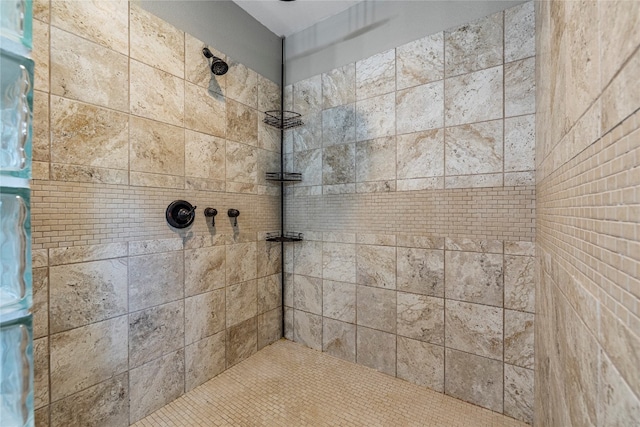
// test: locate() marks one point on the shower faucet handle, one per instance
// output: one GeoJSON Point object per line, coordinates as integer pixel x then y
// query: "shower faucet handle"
{"type": "Point", "coordinates": [211, 212]}
{"type": "Point", "coordinates": [234, 213]}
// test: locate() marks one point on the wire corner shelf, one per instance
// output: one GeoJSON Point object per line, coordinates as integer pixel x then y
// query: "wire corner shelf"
{"type": "Point", "coordinates": [283, 119]}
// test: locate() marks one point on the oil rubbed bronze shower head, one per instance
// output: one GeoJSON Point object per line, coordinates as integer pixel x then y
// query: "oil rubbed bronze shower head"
{"type": "Point", "coordinates": [218, 66]}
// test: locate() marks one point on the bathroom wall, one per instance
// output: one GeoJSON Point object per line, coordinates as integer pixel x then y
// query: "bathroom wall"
{"type": "Point", "coordinates": [418, 212]}
{"type": "Point", "coordinates": [129, 313]}
{"type": "Point", "coordinates": [588, 223]}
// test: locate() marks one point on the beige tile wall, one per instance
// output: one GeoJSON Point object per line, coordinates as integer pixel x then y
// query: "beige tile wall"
{"type": "Point", "coordinates": [588, 254]}
{"type": "Point", "coordinates": [418, 208]}
{"type": "Point", "coordinates": [129, 313]}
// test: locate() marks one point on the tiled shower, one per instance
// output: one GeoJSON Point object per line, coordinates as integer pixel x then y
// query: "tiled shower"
{"type": "Point", "coordinates": [459, 192]}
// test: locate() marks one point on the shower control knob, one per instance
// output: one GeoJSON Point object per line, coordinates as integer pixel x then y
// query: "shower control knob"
{"type": "Point", "coordinates": [234, 213]}
{"type": "Point", "coordinates": [211, 213]}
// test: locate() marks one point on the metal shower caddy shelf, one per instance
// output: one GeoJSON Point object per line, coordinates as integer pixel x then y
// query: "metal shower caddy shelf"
{"type": "Point", "coordinates": [284, 176]}
{"type": "Point", "coordinates": [284, 237]}
{"type": "Point", "coordinates": [283, 119]}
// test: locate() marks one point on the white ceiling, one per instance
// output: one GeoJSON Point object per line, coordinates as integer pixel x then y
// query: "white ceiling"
{"type": "Point", "coordinates": [287, 17]}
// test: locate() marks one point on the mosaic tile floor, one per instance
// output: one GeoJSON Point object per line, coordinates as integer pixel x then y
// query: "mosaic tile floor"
{"type": "Point", "coordinates": [287, 384]}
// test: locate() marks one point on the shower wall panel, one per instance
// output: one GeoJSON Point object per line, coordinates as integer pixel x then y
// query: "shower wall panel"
{"type": "Point", "coordinates": [418, 209]}
{"type": "Point", "coordinates": [129, 313]}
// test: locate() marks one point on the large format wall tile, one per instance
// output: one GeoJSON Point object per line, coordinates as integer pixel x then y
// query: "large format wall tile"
{"type": "Point", "coordinates": [519, 143]}
{"type": "Point", "coordinates": [420, 154]}
{"type": "Point", "coordinates": [156, 94]}
{"type": "Point", "coordinates": [40, 56]}
{"type": "Point", "coordinates": [421, 317]}
{"type": "Point", "coordinates": [338, 164]}
{"type": "Point", "coordinates": [206, 315]}
{"type": "Point", "coordinates": [269, 327]}
{"type": "Point", "coordinates": [307, 329]}
{"type": "Point", "coordinates": [474, 379]}
{"type": "Point", "coordinates": [339, 86]}
{"type": "Point", "coordinates": [307, 95]}
{"type": "Point", "coordinates": [204, 269]}
{"type": "Point", "coordinates": [242, 84]}
{"type": "Point", "coordinates": [197, 66]}
{"type": "Point", "coordinates": [339, 301]}
{"type": "Point", "coordinates": [156, 147]}
{"type": "Point", "coordinates": [420, 61]}
{"type": "Point", "coordinates": [204, 156]}
{"type": "Point", "coordinates": [242, 123]}
{"type": "Point", "coordinates": [204, 360]}
{"type": "Point", "coordinates": [150, 284]}
{"type": "Point", "coordinates": [474, 97]}
{"type": "Point", "coordinates": [339, 125]}
{"type": "Point", "coordinates": [40, 372]}
{"type": "Point", "coordinates": [519, 285]}
{"type": "Point", "coordinates": [519, 32]}
{"type": "Point", "coordinates": [519, 88]}
{"type": "Point", "coordinates": [474, 328]}
{"type": "Point", "coordinates": [375, 117]}
{"type": "Point", "coordinates": [376, 266]}
{"type": "Point", "coordinates": [339, 339]}
{"type": "Point", "coordinates": [420, 108]}
{"type": "Point", "coordinates": [155, 332]}
{"type": "Point", "coordinates": [204, 110]}
{"type": "Point", "coordinates": [339, 262]}
{"type": "Point", "coordinates": [242, 341]}
{"type": "Point", "coordinates": [307, 258]}
{"type": "Point", "coordinates": [421, 271]}
{"type": "Point", "coordinates": [372, 160]}
{"type": "Point", "coordinates": [376, 75]}
{"type": "Point", "coordinates": [307, 294]}
{"type": "Point", "coordinates": [376, 350]}
{"type": "Point", "coordinates": [241, 302]}
{"type": "Point", "coordinates": [474, 277]}
{"type": "Point", "coordinates": [245, 267]}
{"type": "Point", "coordinates": [376, 308]}
{"type": "Point", "coordinates": [518, 393]}
{"type": "Point", "coordinates": [269, 293]}
{"type": "Point", "coordinates": [518, 338]}
{"type": "Point", "coordinates": [474, 148]}
{"type": "Point", "coordinates": [421, 363]}
{"type": "Point", "coordinates": [40, 309]}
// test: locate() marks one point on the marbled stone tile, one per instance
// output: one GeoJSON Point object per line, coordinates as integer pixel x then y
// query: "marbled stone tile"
{"type": "Point", "coordinates": [242, 163]}
{"type": "Point", "coordinates": [619, 39]}
{"type": "Point", "coordinates": [338, 164]}
{"type": "Point", "coordinates": [519, 285]}
{"type": "Point", "coordinates": [420, 154]}
{"type": "Point", "coordinates": [40, 143]}
{"type": "Point", "coordinates": [474, 245]}
{"type": "Point", "coordinates": [423, 242]}
{"type": "Point", "coordinates": [268, 94]}
{"type": "Point", "coordinates": [618, 406]}
{"type": "Point", "coordinates": [85, 293]}
{"type": "Point", "coordinates": [40, 372]}
{"type": "Point", "coordinates": [242, 265]}
{"type": "Point", "coordinates": [156, 95]}
{"type": "Point", "coordinates": [339, 125]}
{"type": "Point", "coordinates": [474, 46]}
{"type": "Point", "coordinates": [156, 147]}
{"type": "Point", "coordinates": [155, 246]}
{"type": "Point", "coordinates": [88, 72]}
{"type": "Point", "coordinates": [206, 315]}
{"type": "Point", "coordinates": [376, 117]}
{"type": "Point", "coordinates": [205, 269]}
{"type": "Point", "coordinates": [520, 248]}
{"type": "Point", "coordinates": [288, 324]}
{"type": "Point", "coordinates": [376, 75]}
{"type": "Point", "coordinates": [420, 108]}
{"type": "Point", "coordinates": [41, 417]}
{"type": "Point", "coordinates": [376, 350]}
{"type": "Point", "coordinates": [339, 301]}
{"type": "Point", "coordinates": [242, 84]}
{"type": "Point", "coordinates": [105, 404]}
{"type": "Point", "coordinates": [339, 86]}
{"type": "Point", "coordinates": [73, 173]}
{"type": "Point", "coordinates": [474, 148]}
{"type": "Point", "coordinates": [101, 346]}
{"type": "Point", "coordinates": [420, 317]}
{"type": "Point", "coordinates": [309, 161]}
{"type": "Point", "coordinates": [420, 61]}
{"type": "Point", "coordinates": [204, 110]}
{"type": "Point", "coordinates": [376, 266]}
{"type": "Point", "coordinates": [156, 42]}
{"type": "Point", "coordinates": [518, 393]}
{"type": "Point", "coordinates": [41, 10]}
{"type": "Point", "coordinates": [519, 143]}
{"type": "Point", "coordinates": [474, 277]}
{"type": "Point", "coordinates": [204, 156]}
{"type": "Point", "coordinates": [197, 67]}
{"type": "Point", "coordinates": [338, 237]}
{"type": "Point", "coordinates": [105, 23]}
{"type": "Point", "coordinates": [421, 271]}
{"type": "Point", "coordinates": [204, 360]}
{"type": "Point", "coordinates": [474, 328]}
{"type": "Point", "coordinates": [40, 309]}
{"type": "Point", "coordinates": [474, 379]}
{"type": "Point", "coordinates": [307, 294]}
{"type": "Point", "coordinates": [242, 341]}
{"type": "Point", "coordinates": [77, 254]}
{"type": "Point", "coordinates": [155, 332]}
{"type": "Point", "coordinates": [421, 363]}
{"type": "Point", "coordinates": [339, 339]}
{"type": "Point", "coordinates": [376, 308]}
{"type": "Point", "coordinates": [269, 293]}
{"type": "Point", "coordinates": [242, 302]}
{"type": "Point", "coordinates": [518, 338]}
{"type": "Point", "coordinates": [376, 239]}
{"type": "Point", "coordinates": [145, 179]}
{"type": "Point", "coordinates": [516, 179]}
{"type": "Point", "coordinates": [417, 184]}
{"type": "Point", "coordinates": [269, 327]}
{"type": "Point", "coordinates": [307, 259]}
{"type": "Point", "coordinates": [40, 55]}
{"type": "Point", "coordinates": [155, 279]}
{"type": "Point", "coordinates": [307, 95]}
{"type": "Point", "coordinates": [86, 135]}
{"type": "Point", "coordinates": [155, 384]}
{"type": "Point", "coordinates": [308, 136]}
{"type": "Point", "coordinates": [519, 32]}
{"type": "Point", "coordinates": [339, 262]}
{"type": "Point", "coordinates": [268, 137]}
{"type": "Point", "coordinates": [372, 160]}
{"type": "Point", "coordinates": [618, 99]}
{"type": "Point", "coordinates": [473, 97]}
{"type": "Point", "coordinates": [242, 123]}
{"type": "Point", "coordinates": [520, 88]}
{"type": "Point", "coordinates": [307, 329]}
{"type": "Point", "coordinates": [41, 170]}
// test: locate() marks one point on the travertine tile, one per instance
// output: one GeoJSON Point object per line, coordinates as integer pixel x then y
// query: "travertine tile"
{"type": "Point", "coordinates": [474, 97]}
{"type": "Point", "coordinates": [310, 162]}
{"type": "Point", "coordinates": [474, 328]}
{"type": "Point", "coordinates": [155, 279]}
{"type": "Point", "coordinates": [307, 294]}
{"type": "Point", "coordinates": [376, 350]}
{"type": "Point", "coordinates": [105, 404]}
{"type": "Point", "coordinates": [308, 136]}
{"type": "Point", "coordinates": [269, 293]}
{"type": "Point", "coordinates": [519, 32]}
{"type": "Point", "coordinates": [155, 384]}
{"type": "Point", "coordinates": [156, 147]}
{"type": "Point", "coordinates": [339, 86]}
{"type": "Point", "coordinates": [242, 341]}
{"type": "Point", "coordinates": [375, 75]}
{"type": "Point", "coordinates": [339, 339]}
{"type": "Point", "coordinates": [156, 95]}
{"type": "Point", "coordinates": [156, 42]}
{"type": "Point", "coordinates": [421, 271]}
{"type": "Point", "coordinates": [518, 393]}
{"type": "Point", "coordinates": [420, 154]}
{"type": "Point", "coordinates": [421, 317]}
{"type": "Point", "coordinates": [268, 137]}
{"type": "Point", "coordinates": [82, 174]}
{"type": "Point", "coordinates": [204, 110]}
{"type": "Point", "coordinates": [41, 10]}
{"type": "Point", "coordinates": [197, 66]}
{"type": "Point", "coordinates": [339, 262]}
{"type": "Point", "coordinates": [519, 88]}
{"type": "Point", "coordinates": [375, 117]}
{"type": "Point", "coordinates": [474, 46]}
{"type": "Point", "coordinates": [376, 308]}
{"type": "Point", "coordinates": [307, 258]}
{"type": "Point", "coordinates": [40, 308]}
{"type": "Point", "coordinates": [474, 277]}
{"type": "Point", "coordinates": [154, 332]}
{"type": "Point", "coordinates": [40, 372]}
{"type": "Point", "coordinates": [339, 125]}
{"type": "Point", "coordinates": [83, 134]}
{"type": "Point", "coordinates": [376, 266]}
{"type": "Point", "coordinates": [244, 268]}
{"type": "Point", "coordinates": [204, 360]}
{"type": "Point", "coordinates": [101, 346]}
{"type": "Point", "coordinates": [338, 164]}
{"type": "Point", "coordinates": [204, 156]}
{"type": "Point", "coordinates": [518, 338]}
{"type": "Point", "coordinates": [242, 84]}
{"type": "Point", "coordinates": [420, 61]}
{"type": "Point", "coordinates": [269, 327]}
{"type": "Point", "coordinates": [421, 363]}
{"type": "Point", "coordinates": [474, 245]}
{"type": "Point", "coordinates": [474, 148]}
{"type": "Point", "coordinates": [519, 143]}
{"type": "Point", "coordinates": [307, 329]}
{"type": "Point", "coordinates": [288, 324]}
{"type": "Point", "coordinates": [474, 379]}
{"type": "Point", "coordinates": [88, 72]}
{"type": "Point", "coordinates": [242, 123]}
{"type": "Point", "coordinates": [618, 36]}
{"type": "Point", "coordinates": [519, 285]}
{"type": "Point", "coordinates": [40, 143]}
{"type": "Point", "coordinates": [339, 301]}
{"type": "Point", "coordinates": [619, 406]}
{"type": "Point", "coordinates": [618, 99]}
{"type": "Point", "coordinates": [307, 95]}
{"type": "Point", "coordinates": [268, 94]}
{"type": "Point", "coordinates": [242, 163]}
{"type": "Point", "coordinates": [40, 55]}
{"type": "Point", "coordinates": [204, 269]}
{"type": "Point", "coordinates": [85, 293]}
{"type": "Point", "coordinates": [372, 160]}
{"type": "Point", "coordinates": [105, 23]}
{"type": "Point", "coordinates": [241, 302]}
{"type": "Point", "coordinates": [145, 179]}
{"type": "Point", "coordinates": [206, 315]}
{"type": "Point", "coordinates": [420, 108]}
{"type": "Point", "coordinates": [41, 417]}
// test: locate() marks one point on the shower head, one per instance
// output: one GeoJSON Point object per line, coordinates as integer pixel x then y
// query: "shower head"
{"type": "Point", "coordinates": [218, 66]}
